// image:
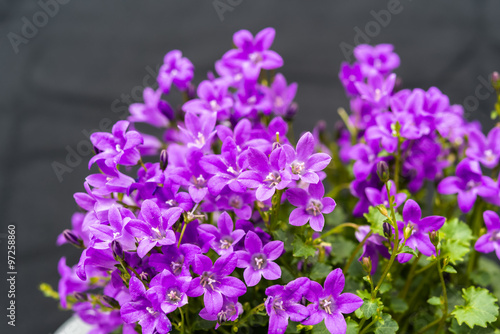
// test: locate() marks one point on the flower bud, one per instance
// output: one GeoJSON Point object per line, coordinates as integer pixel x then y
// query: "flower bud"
{"type": "Point", "coordinates": [291, 111]}
{"type": "Point", "coordinates": [383, 210]}
{"type": "Point", "coordinates": [191, 91]}
{"type": "Point", "coordinates": [117, 249]}
{"type": "Point", "coordinates": [163, 159]}
{"type": "Point", "coordinates": [72, 238]}
{"type": "Point", "coordinates": [166, 109]}
{"type": "Point", "coordinates": [383, 171]}
{"type": "Point", "coordinates": [111, 301]}
{"type": "Point", "coordinates": [407, 232]}
{"type": "Point", "coordinates": [366, 263]}
{"type": "Point", "coordinates": [434, 236]}
{"type": "Point", "coordinates": [81, 297]}
{"type": "Point", "coordinates": [387, 230]}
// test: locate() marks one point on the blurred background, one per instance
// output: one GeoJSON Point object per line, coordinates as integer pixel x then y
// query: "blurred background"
{"type": "Point", "coordinates": [68, 65]}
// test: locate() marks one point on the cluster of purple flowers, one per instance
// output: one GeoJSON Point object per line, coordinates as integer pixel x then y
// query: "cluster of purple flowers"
{"type": "Point", "coordinates": [150, 240]}
{"type": "Point", "coordinates": [419, 130]}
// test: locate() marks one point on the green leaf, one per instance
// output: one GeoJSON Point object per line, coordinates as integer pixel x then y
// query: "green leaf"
{"type": "Point", "coordinates": [457, 329]}
{"type": "Point", "coordinates": [320, 329]}
{"type": "Point", "coordinates": [450, 269]}
{"type": "Point", "coordinates": [408, 250]}
{"type": "Point", "coordinates": [376, 219]}
{"type": "Point", "coordinates": [487, 275]}
{"type": "Point", "coordinates": [386, 325]}
{"type": "Point", "coordinates": [369, 308]}
{"type": "Point", "coordinates": [352, 326]}
{"type": "Point", "coordinates": [480, 308]}
{"type": "Point", "coordinates": [456, 237]}
{"type": "Point", "coordinates": [398, 305]}
{"type": "Point", "coordinates": [300, 249]}
{"type": "Point", "coordinates": [434, 301]}
{"type": "Point", "coordinates": [320, 270]}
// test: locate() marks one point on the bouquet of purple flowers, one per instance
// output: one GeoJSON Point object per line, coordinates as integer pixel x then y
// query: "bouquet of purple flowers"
{"type": "Point", "coordinates": [223, 221]}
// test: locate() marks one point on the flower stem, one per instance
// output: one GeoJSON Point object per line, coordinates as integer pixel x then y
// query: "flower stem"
{"type": "Point", "coordinates": [276, 202]}
{"type": "Point", "coordinates": [397, 165]}
{"type": "Point", "coordinates": [396, 243]}
{"type": "Point", "coordinates": [338, 229]}
{"type": "Point", "coordinates": [476, 229]}
{"type": "Point", "coordinates": [182, 320]}
{"type": "Point", "coordinates": [375, 319]}
{"type": "Point", "coordinates": [182, 234]}
{"type": "Point", "coordinates": [445, 295]}
{"type": "Point", "coordinates": [356, 250]}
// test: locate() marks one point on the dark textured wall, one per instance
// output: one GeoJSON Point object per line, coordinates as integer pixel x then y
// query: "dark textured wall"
{"type": "Point", "coordinates": [59, 81]}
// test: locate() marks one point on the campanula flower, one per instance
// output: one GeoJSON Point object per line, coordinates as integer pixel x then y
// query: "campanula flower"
{"type": "Point", "coordinates": [177, 70]}
{"type": "Point", "coordinates": [490, 241]}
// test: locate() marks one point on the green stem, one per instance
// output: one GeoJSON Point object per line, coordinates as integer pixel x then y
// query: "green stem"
{"type": "Point", "coordinates": [142, 164]}
{"type": "Point", "coordinates": [276, 202]}
{"type": "Point", "coordinates": [352, 130]}
{"type": "Point", "coordinates": [182, 320]}
{"type": "Point", "coordinates": [421, 270]}
{"type": "Point", "coordinates": [476, 229]}
{"type": "Point", "coordinates": [445, 295]}
{"type": "Point", "coordinates": [334, 192]}
{"type": "Point", "coordinates": [396, 244]}
{"type": "Point", "coordinates": [409, 279]}
{"type": "Point", "coordinates": [432, 324]}
{"type": "Point", "coordinates": [338, 229]}
{"type": "Point", "coordinates": [182, 234]}
{"type": "Point", "coordinates": [375, 319]}
{"type": "Point", "coordinates": [397, 165]}
{"type": "Point", "coordinates": [356, 250]}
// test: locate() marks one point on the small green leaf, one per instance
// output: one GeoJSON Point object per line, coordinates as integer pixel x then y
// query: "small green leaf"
{"type": "Point", "coordinates": [450, 269]}
{"type": "Point", "coordinates": [386, 286]}
{"type": "Point", "coordinates": [352, 326]}
{"type": "Point", "coordinates": [408, 250]}
{"type": "Point", "coordinates": [320, 270]}
{"type": "Point", "coordinates": [320, 329]}
{"type": "Point", "coordinates": [434, 301]}
{"type": "Point", "coordinates": [369, 308]}
{"type": "Point", "coordinates": [386, 325]}
{"type": "Point", "coordinates": [300, 249]}
{"type": "Point", "coordinates": [464, 329]}
{"type": "Point", "coordinates": [480, 308]}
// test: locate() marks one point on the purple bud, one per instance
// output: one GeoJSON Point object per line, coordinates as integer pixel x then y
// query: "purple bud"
{"type": "Point", "coordinates": [383, 171]}
{"type": "Point", "coordinates": [387, 230]}
{"type": "Point", "coordinates": [81, 297]}
{"type": "Point", "coordinates": [111, 301]}
{"type": "Point", "coordinates": [163, 159]}
{"type": "Point", "coordinates": [117, 249]}
{"type": "Point", "coordinates": [291, 111]}
{"type": "Point", "coordinates": [72, 238]}
{"type": "Point", "coordinates": [166, 109]}
{"type": "Point", "coordinates": [96, 150]}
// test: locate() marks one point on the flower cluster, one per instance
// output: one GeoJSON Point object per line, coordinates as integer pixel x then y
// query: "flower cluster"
{"type": "Point", "coordinates": [224, 220]}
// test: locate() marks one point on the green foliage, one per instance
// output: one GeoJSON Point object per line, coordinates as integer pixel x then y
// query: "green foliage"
{"type": "Point", "coordinates": [480, 308]}
{"type": "Point", "coordinates": [301, 249]}
{"type": "Point", "coordinates": [456, 237]}
{"type": "Point", "coordinates": [487, 275]}
{"type": "Point", "coordinates": [386, 325]}
{"type": "Point", "coordinates": [320, 271]}
{"type": "Point", "coordinates": [341, 249]}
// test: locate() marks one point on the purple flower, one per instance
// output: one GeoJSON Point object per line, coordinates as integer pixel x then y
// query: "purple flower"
{"type": "Point", "coordinates": [222, 239]}
{"type": "Point", "coordinates": [486, 150]}
{"type": "Point", "coordinates": [95, 261]}
{"type": "Point", "coordinates": [117, 147]}
{"type": "Point", "coordinates": [69, 282]}
{"type": "Point", "coordinates": [258, 260]}
{"type": "Point", "coordinates": [377, 197]}
{"type": "Point", "coordinates": [77, 223]}
{"type": "Point", "coordinates": [193, 177]}
{"type": "Point", "coordinates": [378, 90]}
{"type": "Point", "coordinates": [310, 206]}
{"type": "Point", "coordinates": [214, 282]}
{"type": "Point", "coordinates": [376, 59]}
{"type": "Point", "coordinates": [372, 247]}
{"type": "Point", "coordinates": [420, 227]}
{"type": "Point", "coordinates": [358, 189]}
{"type": "Point", "coordinates": [349, 76]}
{"type": "Point", "coordinates": [170, 290]}
{"type": "Point", "coordinates": [105, 234]}
{"type": "Point", "coordinates": [213, 97]}
{"type": "Point", "coordinates": [145, 308]}
{"type": "Point", "coordinates": [198, 131]}
{"type": "Point", "coordinates": [250, 100]}
{"type": "Point", "coordinates": [225, 168]}
{"type": "Point", "coordinates": [176, 70]}
{"type": "Point", "coordinates": [365, 158]}
{"type": "Point", "coordinates": [284, 302]}
{"type": "Point", "coordinates": [230, 311]}
{"type": "Point", "coordinates": [385, 130]}
{"type": "Point", "coordinates": [240, 203]}
{"type": "Point", "coordinates": [153, 111]}
{"type": "Point", "coordinates": [469, 182]}
{"type": "Point", "coordinates": [154, 229]}
{"type": "Point", "coordinates": [252, 54]}
{"type": "Point", "coordinates": [268, 174]}
{"type": "Point", "coordinates": [490, 241]}
{"type": "Point", "coordinates": [175, 259]}
{"type": "Point", "coordinates": [304, 164]}
{"type": "Point", "coordinates": [330, 304]}
{"type": "Point", "coordinates": [280, 94]}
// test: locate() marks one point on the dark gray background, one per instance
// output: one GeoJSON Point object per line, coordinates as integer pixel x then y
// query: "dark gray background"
{"type": "Point", "coordinates": [65, 79]}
